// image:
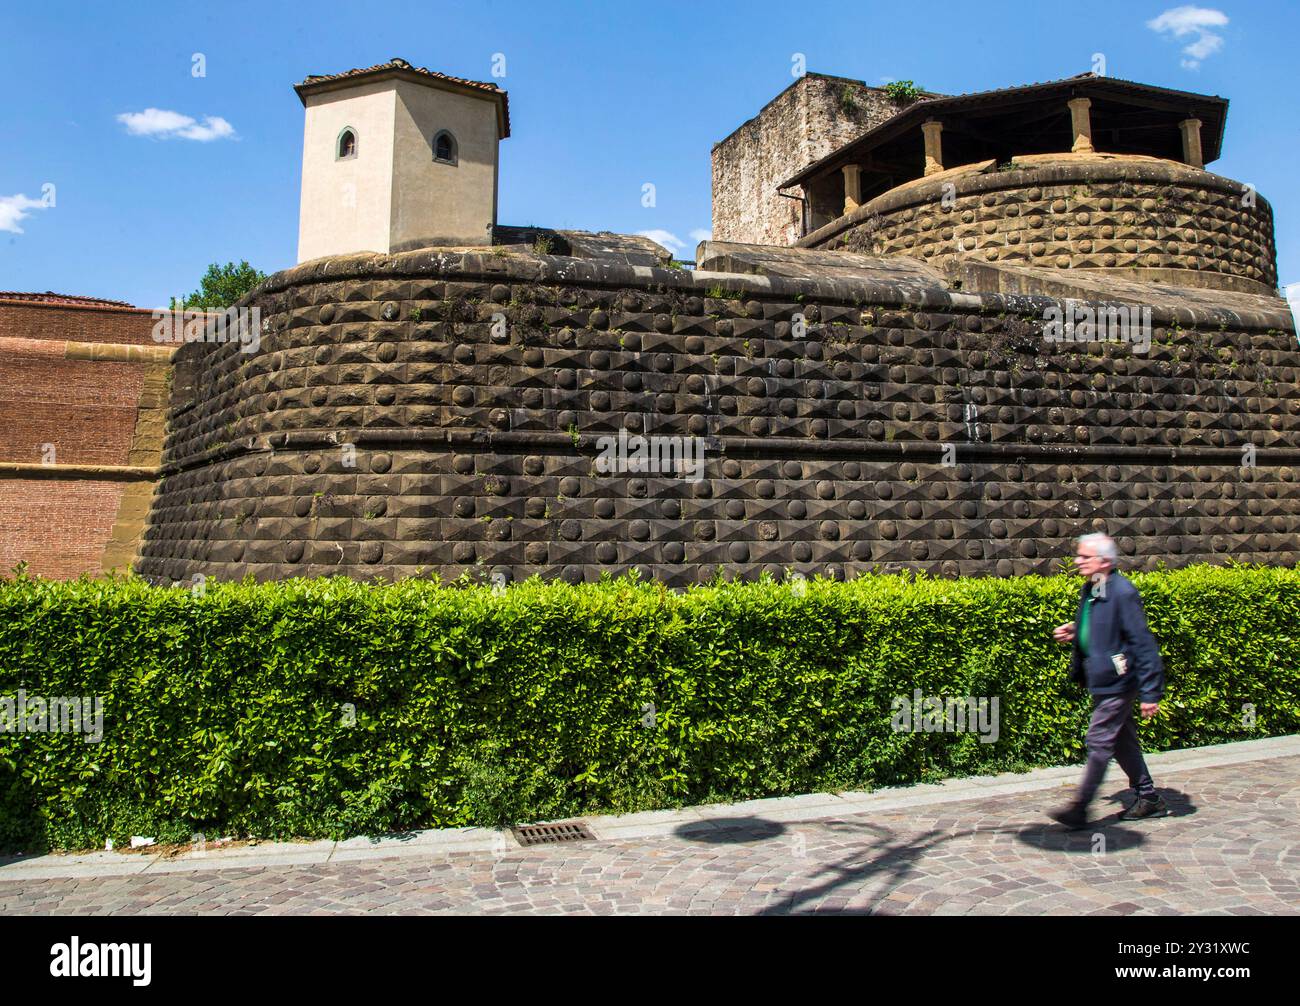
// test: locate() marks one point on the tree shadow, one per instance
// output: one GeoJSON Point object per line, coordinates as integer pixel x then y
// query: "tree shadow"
{"type": "Point", "coordinates": [895, 859]}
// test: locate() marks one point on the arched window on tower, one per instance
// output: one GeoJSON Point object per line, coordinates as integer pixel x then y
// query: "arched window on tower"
{"type": "Point", "coordinates": [347, 146]}
{"type": "Point", "coordinates": [444, 147]}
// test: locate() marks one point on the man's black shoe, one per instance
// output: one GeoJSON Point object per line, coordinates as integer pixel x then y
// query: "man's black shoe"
{"type": "Point", "coordinates": [1144, 807]}
{"type": "Point", "coordinates": [1072, 816]}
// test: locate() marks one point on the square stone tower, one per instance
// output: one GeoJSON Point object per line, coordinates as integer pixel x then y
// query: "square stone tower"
{"type": "Point", "coordinates": [814, 116]}
{"type": "Point", "coordinates": [397, 157]}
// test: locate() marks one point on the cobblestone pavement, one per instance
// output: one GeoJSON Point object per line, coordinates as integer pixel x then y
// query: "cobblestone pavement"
{"type": "Point", "coordinates": [1230, 847]}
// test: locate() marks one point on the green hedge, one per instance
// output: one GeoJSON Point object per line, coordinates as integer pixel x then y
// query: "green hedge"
{"type": "Point", "coordinates": [226, 713]}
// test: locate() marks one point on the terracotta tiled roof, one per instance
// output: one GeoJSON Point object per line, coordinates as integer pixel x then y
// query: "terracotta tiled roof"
{"type": "Point", "coordinates": [1087, 76]}
{"type": "Point", "coordinates": [49, 297]}
{"type": "Point", "coordinates": [399, 65]}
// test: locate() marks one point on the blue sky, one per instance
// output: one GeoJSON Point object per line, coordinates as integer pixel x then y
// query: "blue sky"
{"type": "Point", "coordinates": [603, 98]}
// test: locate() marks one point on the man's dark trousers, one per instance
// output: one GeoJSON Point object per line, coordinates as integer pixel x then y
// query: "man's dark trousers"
{"type": "Point", "coordinates": [1113, 734]}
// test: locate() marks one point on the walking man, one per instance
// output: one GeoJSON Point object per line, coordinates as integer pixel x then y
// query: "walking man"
{"type": "Point", "coordinates": [1116, 658]}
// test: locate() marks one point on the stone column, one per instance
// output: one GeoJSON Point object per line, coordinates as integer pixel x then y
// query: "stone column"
{"type": "Point", "coordinates": [1081, 122]}
{"type": "Point", "coordinates": [933, 131]}
{"type": "Point", "coordinates": [1192, 142]}
{"type": "Point", "coordinates": [852, 187]}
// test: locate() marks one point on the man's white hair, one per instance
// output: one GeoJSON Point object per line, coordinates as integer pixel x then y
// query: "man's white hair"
{"type": "Point", "coordinates": [1102, 544]}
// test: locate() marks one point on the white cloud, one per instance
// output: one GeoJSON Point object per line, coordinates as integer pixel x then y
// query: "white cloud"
{"type": "Point", "coordinates": [666, 238]}
{"type": "Point", "coordinates": [152, 121]}
{"type": "Point", "coordinates": [14, 209]}
{"type": "Point", "coordinates": [214, 128]}
{"type": "Point", "coordinates": [1184, 20]}
{"type": "Point", "coordinates": [164, 124]}
{"type": "Point", "coordinates": [1204, 46]}
{"type": "Point", "coordinates": [1180, 22]}
{"type": "Point", "coordinates": [701, 234]}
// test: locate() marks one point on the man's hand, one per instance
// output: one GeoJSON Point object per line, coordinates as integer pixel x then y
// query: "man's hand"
{"type": "Point", "coordinates": [1149, 709]}
{"type": "Point", "coordinates": [1064, 633]}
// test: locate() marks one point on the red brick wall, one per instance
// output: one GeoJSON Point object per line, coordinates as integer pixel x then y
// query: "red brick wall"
{"type": "Point", "coordinates": [57, 523]}
{"type": "Point", "coordinates": [85, 408]}
{"type": "Point", "coordinates": [58, 526]}
{"type": "Point", "coordinates": [23, 320]}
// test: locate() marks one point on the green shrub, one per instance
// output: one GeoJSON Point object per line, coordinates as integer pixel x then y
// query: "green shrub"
{"type": "Point", "coordinates": [904, 92]}
{"type": "Point", "coordinates": [333, 708]}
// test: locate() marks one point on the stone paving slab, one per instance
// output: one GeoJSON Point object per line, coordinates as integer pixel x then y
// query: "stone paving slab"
{"type": "Point", "coordinates": [984, 847]}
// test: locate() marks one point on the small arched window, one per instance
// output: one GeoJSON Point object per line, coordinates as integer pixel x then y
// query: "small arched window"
{"type": "Point", "coordinates": [444, 147]}
{"type": "Point", "coordinates": [347, 145]}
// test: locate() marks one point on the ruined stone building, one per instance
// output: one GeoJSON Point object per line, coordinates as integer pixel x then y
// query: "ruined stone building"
{"type": "Point", "coordinates": [980, 326]}
{"type": "Point", "coordinates": [815, 116]}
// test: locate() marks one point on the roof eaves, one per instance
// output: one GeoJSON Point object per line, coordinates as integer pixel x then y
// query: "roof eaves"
{"type": "Point", "coordinates": [401, 69]}
{"type": "Point", "coordinates": [65, 299]}
{"type": "Point", "coordinates": [943, 104]}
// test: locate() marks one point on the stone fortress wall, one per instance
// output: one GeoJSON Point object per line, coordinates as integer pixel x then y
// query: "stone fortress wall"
{"type": "Point", "coordinates": [1148, 218]}
{"type": "Point", "coordinates": [439, 412]}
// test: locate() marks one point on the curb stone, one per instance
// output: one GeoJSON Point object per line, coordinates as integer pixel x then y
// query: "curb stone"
{"type": "Point", "coordinates": [434, 843]}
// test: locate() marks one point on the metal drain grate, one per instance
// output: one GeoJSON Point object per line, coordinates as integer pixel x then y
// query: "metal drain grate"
{"type": "Point", "coordinates": [550, 834]}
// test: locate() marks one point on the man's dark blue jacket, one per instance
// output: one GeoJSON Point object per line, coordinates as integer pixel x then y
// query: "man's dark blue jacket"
{"type": "Point", "coordinates": [1117, 624]}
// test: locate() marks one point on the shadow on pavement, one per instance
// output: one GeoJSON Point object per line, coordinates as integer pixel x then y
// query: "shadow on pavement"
{"type": "Point", "coordinates": [1180, 804]}
{"type": "Point", "coordinates": [1107, 833]}
{"type": "Point", "coordinates": [730, 830]}
{"type": "Point", "coordinates": [894, 860]}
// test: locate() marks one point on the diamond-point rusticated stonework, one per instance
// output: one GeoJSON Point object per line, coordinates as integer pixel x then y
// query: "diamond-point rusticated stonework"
{"type": "Point", "coordinates": [1138, 216]}
{"type": "Point", "coordinates": [391, 425]}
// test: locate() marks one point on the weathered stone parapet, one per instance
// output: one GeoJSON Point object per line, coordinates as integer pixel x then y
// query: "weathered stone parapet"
{"type": "Point", "coordinates": [896, 282]}
{"type": "Point", "coordinates": [1093, 211]}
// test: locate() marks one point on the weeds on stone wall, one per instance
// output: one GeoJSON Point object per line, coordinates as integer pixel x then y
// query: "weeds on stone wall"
{"type": "Point", "coordinates": [904, 92]}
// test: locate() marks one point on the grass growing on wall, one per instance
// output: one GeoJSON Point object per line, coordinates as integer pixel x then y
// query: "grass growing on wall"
{"type": "Point", "coordinates": [330, 708]}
